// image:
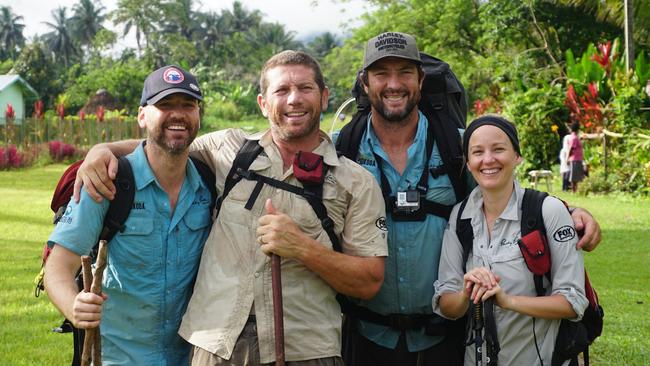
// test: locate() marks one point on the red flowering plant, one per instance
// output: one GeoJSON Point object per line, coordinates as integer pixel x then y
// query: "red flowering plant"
{"type": "Point", "coordinates": [605, 56]}
{"type": "Point", "coordinates": [486, 105]}
{"type": "Point", "coordinates": [10, 157]}
{"type": "Point", "coordinates": [60, 150]}
{"type": "Point", "coordinates": [38, 109]}
{"type": "Point", "coordinates": [585, 109]}
{"type": "Point", "coordinates": [10, 114]}
{"type": "Point", "coordinates": [60, 110]}
{"type": "Point", "coordinates": [100, 113]}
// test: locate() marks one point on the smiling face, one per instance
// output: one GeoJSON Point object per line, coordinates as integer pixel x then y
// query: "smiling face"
{"type": "Point", "coordinates": [172, 123]}
{"type": "Point", "coordinates": [393, 88]}
{"type": "Point", "coordinates": [292, 102]}
{"type": "Point", "coordinates": [492, 158]}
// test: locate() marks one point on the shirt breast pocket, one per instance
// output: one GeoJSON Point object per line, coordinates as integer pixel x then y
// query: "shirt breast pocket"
{"type": "Point", "coordinates": [194, 232]}
{"type": "Point", "coordinates": [134, 246]}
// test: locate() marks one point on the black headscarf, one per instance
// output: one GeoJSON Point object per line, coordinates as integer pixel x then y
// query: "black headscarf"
{"type": "Point", "coordinates": [500, 122]}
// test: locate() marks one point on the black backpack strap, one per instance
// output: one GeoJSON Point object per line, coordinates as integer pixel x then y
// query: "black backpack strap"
{"type": "Point", "coordinates": [349, 138]}
{"type": "Point", "coordinates": [208, 178]}
{"type": "Point", "coordinates": [247, 153]}
{"type": "Point", "coordinates": [448, 141]}
{"type": "Point", "coordinates": [464, 232]}
{"type": "Point", "coordinates": [311, 193]}
{"type": "Point", "coordinates": [532, 219]}
{"type": "Point", "coordinates": [120, 206]}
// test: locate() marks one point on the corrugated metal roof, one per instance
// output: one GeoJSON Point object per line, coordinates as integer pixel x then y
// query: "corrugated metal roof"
{"type": "Point", "coordinates": [7, 80]}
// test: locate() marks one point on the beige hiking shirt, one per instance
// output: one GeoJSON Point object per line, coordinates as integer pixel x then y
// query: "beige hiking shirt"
{"type": "Point", "coordinates": [234, 273]}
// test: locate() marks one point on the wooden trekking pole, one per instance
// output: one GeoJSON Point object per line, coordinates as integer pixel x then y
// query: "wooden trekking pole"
{"type": "Point", "coordinates": [278, 321]}
{"type": "Point", "coordinates": [92, 351]}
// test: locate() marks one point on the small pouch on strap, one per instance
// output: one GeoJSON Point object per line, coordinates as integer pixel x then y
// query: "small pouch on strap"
{"type": "Point", "coordinates": [308, 168]}
{"type": "Point", "coordinates": [533, 247]}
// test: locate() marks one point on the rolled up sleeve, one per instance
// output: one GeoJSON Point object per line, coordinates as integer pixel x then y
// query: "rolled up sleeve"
{"type": "Point", "coordinates": [567, 263]}
{"type": "Point", "coordinates": [450, 272]}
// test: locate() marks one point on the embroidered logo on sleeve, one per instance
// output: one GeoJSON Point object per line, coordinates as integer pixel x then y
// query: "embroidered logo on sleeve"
{"type": "Point", "coordinates": [381, 224]}
{"type": "Point", "coordinates": [565, 233]}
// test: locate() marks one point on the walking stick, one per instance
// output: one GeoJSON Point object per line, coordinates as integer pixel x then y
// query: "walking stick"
{"type": "Point", "coordinates": [278, 322]}
{"type": "Point", "coordinates": [478, 329]}
{"type": "Point", "coordinates": [92, 351]}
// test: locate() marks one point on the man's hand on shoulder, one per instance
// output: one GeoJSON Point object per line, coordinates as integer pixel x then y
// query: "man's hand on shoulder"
{"type": "Point", "coordinates": [96, 174]}
{"type": "Point", "coordinates": [588, 226]}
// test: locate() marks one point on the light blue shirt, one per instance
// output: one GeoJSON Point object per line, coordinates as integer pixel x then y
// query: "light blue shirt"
{"type": "Point", "coordinates": [414, 247]}
{"type": "Point", "coordinates": [151, 267]}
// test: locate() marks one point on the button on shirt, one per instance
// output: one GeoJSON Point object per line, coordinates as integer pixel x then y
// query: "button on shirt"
{"type": "Point", "coordinates": [502, 255]}
{"type": "Point", "coordinates": [235, 274]}
{"type": "Point", "coordinates": [151, 267]}
{"type": "Point", "coordinates": [414, 247]}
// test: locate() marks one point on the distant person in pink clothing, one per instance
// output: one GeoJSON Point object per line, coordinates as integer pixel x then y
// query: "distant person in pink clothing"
{"type": "Point", "coordinates": [576, 156]}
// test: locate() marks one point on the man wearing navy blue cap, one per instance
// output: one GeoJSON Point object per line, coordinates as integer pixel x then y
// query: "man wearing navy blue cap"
{"type": "Point", "coordinates": [153, 263]}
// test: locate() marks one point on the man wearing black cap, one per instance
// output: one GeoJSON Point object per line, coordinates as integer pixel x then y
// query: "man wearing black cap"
{"type": "Point", "coordinates": [397, 326]}
{"type": "Point", "coordinates": [153, 262]}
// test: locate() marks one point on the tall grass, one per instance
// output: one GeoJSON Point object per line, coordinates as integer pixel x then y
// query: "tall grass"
{"type": "Point", "coordinates": [619, 269]}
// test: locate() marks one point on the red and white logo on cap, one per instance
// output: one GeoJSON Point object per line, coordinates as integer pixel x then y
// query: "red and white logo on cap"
{"type": "Point", "coordinates": [173, 76]}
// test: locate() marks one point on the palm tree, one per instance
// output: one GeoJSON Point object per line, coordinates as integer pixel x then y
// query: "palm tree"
{"type": "Point", "coordinates": [59, 40]}
{"type": "Point", "coordinates": [11, 33]}
{"type": "Point", "coordinates": [139, 15]}
{"type": "Point", "coordinates": [273, 35]}
{"type": "Point", "coordinates": [323, 44]}
{"type": "Point", "coordinates": [87, 20]}
{"type": "Point", "coordinates": [241, 19]}
{"type": "Point", "coordinates": [179, 18]}
{"type": "Point", "coordinates": [211, 29]}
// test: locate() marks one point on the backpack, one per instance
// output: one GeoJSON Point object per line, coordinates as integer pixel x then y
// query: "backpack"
{"type": "Point", "coordinates": [444, 104]}
{"type": "Point", "coordinates": [573, 337]}
{"type": "Point", "coordinates": [118, 211]}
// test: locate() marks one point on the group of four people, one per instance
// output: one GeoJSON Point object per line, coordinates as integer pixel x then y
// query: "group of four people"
{"type": "Point", "coordinates": [171, 300]}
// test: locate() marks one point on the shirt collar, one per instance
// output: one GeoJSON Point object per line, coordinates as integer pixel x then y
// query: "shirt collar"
{"type": "Point", "coordinates": [145, 175]}
{"type": "Point", "coordinates": [326, 147]}
{"type": "Point", "coordinates": [139, 164]}
{"type": "Point", "coordinates": [474, 204]}
{"type": "Point", "coordinates": [420, 134]}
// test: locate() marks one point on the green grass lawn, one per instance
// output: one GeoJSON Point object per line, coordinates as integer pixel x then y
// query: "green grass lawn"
{"type": "Point", "coordinates": [619, 269]}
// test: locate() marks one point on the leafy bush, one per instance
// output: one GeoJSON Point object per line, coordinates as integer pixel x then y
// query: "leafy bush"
{"type": "Point", "coordinates": [538, 114]}
{"type": "Point", "coordinates": [10, 157]}
{"type": "Point", "coordinates": [60, 151]}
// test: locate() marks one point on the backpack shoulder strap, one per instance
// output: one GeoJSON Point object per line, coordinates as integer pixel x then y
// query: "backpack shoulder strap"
{"type": "Point", "coordinates": [464, 232]}
{"type": "Point", "coordinates": [448, 141]}
{"type": "Point", "coordinates": [531, 212]}
{"type": "Point", "coordinates": [120, 206]}
{"type": "Point", "coordinates": [532, 219]}
{"type": "Point", "coordinates": [349, 138]}
{"type": "Point", "coordinates": [208, 178]}
{"type": "Point", "coordinates": [243, 160]}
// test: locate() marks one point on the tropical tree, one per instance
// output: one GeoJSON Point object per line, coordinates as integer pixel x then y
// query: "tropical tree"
{"type": "Point", "coordinates": [87, 20]}
{"type": "Point", "coordinates": [139, 15]}
{"type": "Point", "coordinates": [323, 44]}
{"type": "Point", "coordinates": [273, 36]}
{"type": "Point", "coordinates": [241, 19]}
{"type": "Point", "coordinates": [212, 29]}
{"type": "Point", "coordinates": [11, 33]}
{"type": "Point", "coordinates": [59, 39]}
{"type": "Point", "coordinates": [179, 18]}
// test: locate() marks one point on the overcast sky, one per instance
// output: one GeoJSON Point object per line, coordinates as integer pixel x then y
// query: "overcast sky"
{"type": "Point", "coordinates": [305, 17]}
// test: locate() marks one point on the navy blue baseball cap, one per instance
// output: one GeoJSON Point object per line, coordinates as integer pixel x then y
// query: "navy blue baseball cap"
{"type": "Point", "coordinates": [168, 80]}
